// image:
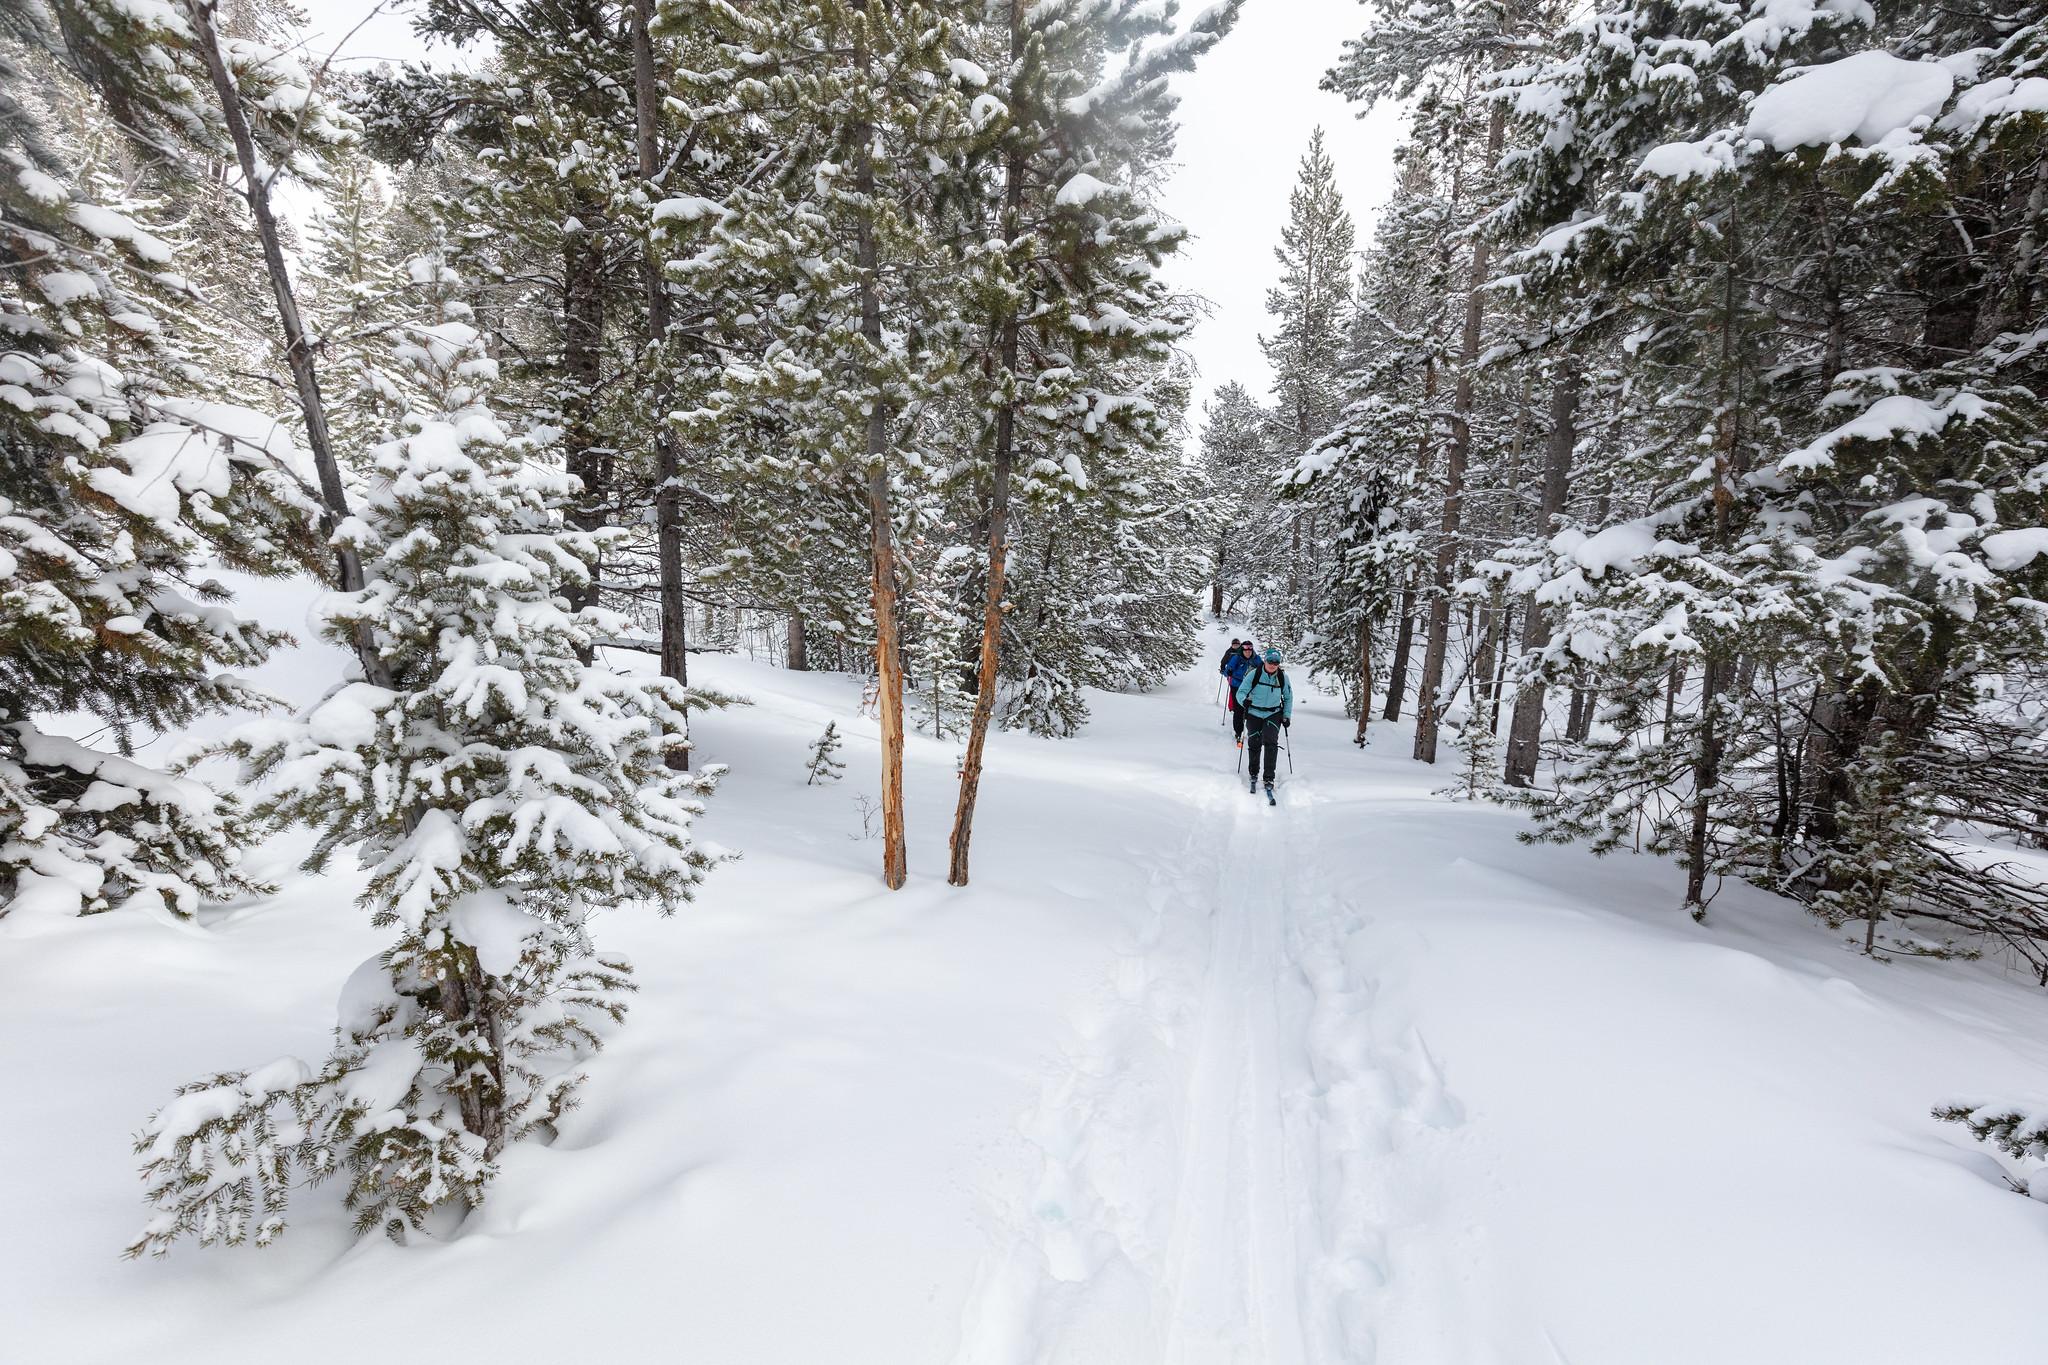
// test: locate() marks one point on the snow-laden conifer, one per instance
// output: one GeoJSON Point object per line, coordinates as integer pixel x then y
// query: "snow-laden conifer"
{"type": "Point", "coordinates": [124, 482]}
{"type": "Point", "coordinates": [502, 792]}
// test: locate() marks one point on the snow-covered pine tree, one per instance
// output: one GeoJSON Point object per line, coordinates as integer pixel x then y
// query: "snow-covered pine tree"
{"type": "Point", "coordinates": [1448, 50]}
{"type": "Point", "coordinates": [823, 766]}
{"type": "Point", "coordinates": [937, 631]}
{"type": "Point", "coordinates": [1819, 392]}
{"type": "Point", "coordinates": [1367, 476]}
{"type": "Point", "coordinates": [122, 485]}
{"type": "Point", "coordinates": [1080, 117]}
{"type": "Point", "coordinates": [1311, 308]}
{"type": "Point", "coordinates": [501, 790]}
{"type": "Point", "coordinates": [540, 211]}
{"type": "Point", "coordinates": [354, 302]}
{"type": "Point", "coordinates": [851, 331]}
{"type": "Point", "coordinates": [1236, 459]}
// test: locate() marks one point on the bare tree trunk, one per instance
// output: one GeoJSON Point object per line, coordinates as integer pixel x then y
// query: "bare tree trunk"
{"type": "Point", "coordinates": [1404, 641]}
{"type": "Point", "coordinates": [1428, 704]}
{"type": "Point", "coordinates": [1714, 673]}
{"type": "Point", "coordinates": [881, 527]}
{"type": "Point", "coordinates": [1364, 681]}
{"type": "Point", "coordinates": [1500, 667]}
{"type": "Point", "coordinates": [668, 522]}
{"type": "Point", "coordinates": [583, 455]}
{"type": "Point", "coordinates": [1706, 775]}
{"type": "Point", "coordinates": [998, 518]}
{"type": "Point", "coordinates": [798, 655]}
{"type": "Point", "coordinates": [1579, 722]}
{"type": "Point", "coordinates": [888, 652]}
{"type": "Point", "coordinates": [298, 353]}
{"type": "Point", "coordinates": [1489, 649]}
{"type": "Point", "coordinates": [1525, 727]}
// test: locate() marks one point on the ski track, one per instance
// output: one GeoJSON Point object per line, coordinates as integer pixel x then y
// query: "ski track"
{"type": "Point", "coordinates": [1220, 1165]}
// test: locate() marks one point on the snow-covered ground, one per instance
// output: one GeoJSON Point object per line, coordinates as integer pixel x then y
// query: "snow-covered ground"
{"type": "Point", "coordinates": [1181, 1079]}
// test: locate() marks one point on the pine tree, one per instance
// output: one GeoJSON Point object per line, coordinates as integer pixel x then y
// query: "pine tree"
{"type": "Point", "coordinates": [1240, 469]}
{"type": "Point", "coordinates": [1813, 379]}
{"type": "Point", "coordinates": [1311, 310]}
{"type": "Point", "coordinates": [123, 482]}
{"type": "Point", "coordinates": [854, 336]}
{"type": "Point", "coordinates": [1080, 326]}
{"type": "Point", "coordinates": [823, 767]}
{"type": "Point", "coordinates": [500, 790]}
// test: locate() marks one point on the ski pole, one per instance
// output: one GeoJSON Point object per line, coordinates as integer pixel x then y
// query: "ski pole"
{"type": "Point", "coordinates": [1287, 743]}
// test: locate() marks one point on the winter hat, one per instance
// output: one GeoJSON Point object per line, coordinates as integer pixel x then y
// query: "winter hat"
{"type": "Point", "coordinates": [1272, 656]}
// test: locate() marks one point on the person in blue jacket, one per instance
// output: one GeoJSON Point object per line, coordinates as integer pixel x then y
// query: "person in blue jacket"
{"type": "Point", "coordinates": [1266, 700]}
{"type": "Point", "coordinates": [1242, 660]}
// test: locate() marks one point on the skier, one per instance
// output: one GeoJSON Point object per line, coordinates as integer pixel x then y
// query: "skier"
{"type": "Point", "coordinates": [1240, 663]}
{"type": "Point", "coordinates": [1267, 699]}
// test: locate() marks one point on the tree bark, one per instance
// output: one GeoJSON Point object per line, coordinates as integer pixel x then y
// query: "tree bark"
{"type": "Point", "coordinates": [668, 522]}
{"type": "Point", "coordinates": [1428, 704]}
{"type": "Point", "coordinates": [998, 515]}
{"type": "Point", "coordinates": [881, 522]}
{"type": "Point", "coordinates": [1404, 642]}
{"type": "Point", "coordinates": [1364, 681]}
{"type": "Point", "coordinates": [798, 658]}
{"type": "Point", "coordinates": [1525, 727]}
{"type": "Point", "coordinates": [298, 352]}
{"type": "Point", "coordinates": [582, 348]}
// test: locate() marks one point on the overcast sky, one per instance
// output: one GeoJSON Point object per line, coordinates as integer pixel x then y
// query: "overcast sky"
{"type": "Point", "coordinates": [1246, 115]}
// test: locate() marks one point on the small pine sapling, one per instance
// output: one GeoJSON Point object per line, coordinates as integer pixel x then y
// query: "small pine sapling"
{"type": "Point", "coordinates": [823, 767]}
{"type": "Point", "coordinates": [1881, 851]}
{"type": "Point", "coordinates": [1478, 758]}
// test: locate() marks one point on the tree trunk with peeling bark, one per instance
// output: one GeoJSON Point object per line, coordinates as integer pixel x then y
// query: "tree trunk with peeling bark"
{"type": "Point", "coordinates": [998, 517]}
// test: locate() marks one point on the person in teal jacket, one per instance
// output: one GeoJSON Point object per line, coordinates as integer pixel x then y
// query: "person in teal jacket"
{"type": "Point", "coordinates": [1267, 700]}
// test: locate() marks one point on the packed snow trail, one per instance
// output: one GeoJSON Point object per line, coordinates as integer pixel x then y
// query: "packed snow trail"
{"type": "Point", "coordinates": [1181, 1079]}
{"type": "Point", "coordinates": [1252, 1230]}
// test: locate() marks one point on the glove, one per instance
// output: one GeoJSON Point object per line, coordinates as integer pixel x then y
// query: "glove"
{"type": "Point", "coordinates": [1287, 722]}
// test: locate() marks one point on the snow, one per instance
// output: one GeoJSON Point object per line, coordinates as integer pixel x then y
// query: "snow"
{"type": "Point", "coordinates": [1180, 1078]}
{"type": "Point", "coordinates": [1894, 417]}
{"type": "Point", "coordinates": [1867, 96]}
{"type": "Point", "coordinates": [1081, 189]}
{"type": "Point", "coordinates": [687, 208]}
{"type": "Point", "coordinates": [109, 226]}
{"type": "Point", "coordinates": [1996, 100]}
{"type": "Point", "coordinates": [2011, 551]}
{"type": "Point", "coordinates": [1682, 161]}
{"type": "Point", "coordinates": [493, 924]}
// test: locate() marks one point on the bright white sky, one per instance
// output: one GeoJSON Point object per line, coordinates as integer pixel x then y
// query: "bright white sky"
{"type": "Point", "coordinates": [1246, 115]}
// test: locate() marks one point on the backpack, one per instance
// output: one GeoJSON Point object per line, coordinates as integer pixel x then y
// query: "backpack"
{"type": "Point", "coordinates": [1279, 681]}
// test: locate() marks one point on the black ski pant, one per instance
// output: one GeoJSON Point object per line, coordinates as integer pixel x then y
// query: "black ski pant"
{"type": "Point", "coordinates": [1265, 740]}
{"type": "Point", "coordinates": [1236, 715]}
